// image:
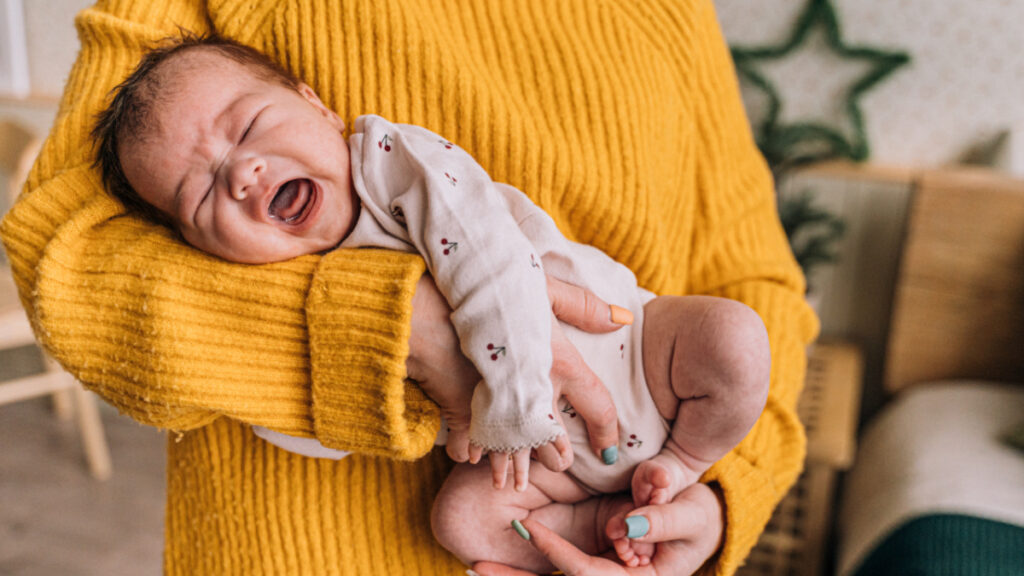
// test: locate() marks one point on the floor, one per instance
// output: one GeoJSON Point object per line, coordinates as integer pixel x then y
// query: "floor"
{"type": "Point", "coordinates": [56, 519]}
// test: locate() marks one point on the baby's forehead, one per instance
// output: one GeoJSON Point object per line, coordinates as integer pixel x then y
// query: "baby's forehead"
{"type": "Point", "coordinates": [178, 71]}
{"type": "Point", "coordinates": [173, 82]}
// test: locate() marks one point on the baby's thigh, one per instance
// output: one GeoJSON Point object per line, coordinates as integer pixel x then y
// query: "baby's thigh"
{"type": "Point", "coordinates": [703, 347]}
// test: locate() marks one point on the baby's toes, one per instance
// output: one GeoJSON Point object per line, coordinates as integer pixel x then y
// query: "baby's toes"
{"type": "Point", "coordinates": [650, 484]}
{"type": "Point", "coordinates": [659, 496]}
{"type": "Point", "coordinates": [624, 550]}
{"type": "Point", "coordinates": [644, 551]}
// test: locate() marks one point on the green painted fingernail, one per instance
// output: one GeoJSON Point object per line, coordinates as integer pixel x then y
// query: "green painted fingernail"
{"type": "Point", "coordinates": [637, 526]}
{"type": "Point", "coordinates": [610, 455]}
{"type": "Point", "coordinates": [521, 530]}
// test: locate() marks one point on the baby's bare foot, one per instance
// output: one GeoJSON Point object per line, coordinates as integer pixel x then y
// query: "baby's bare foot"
{"type": "Point", "coordinates": [658, 480]}
{"type": "Point", "coordinates": [655, 481]}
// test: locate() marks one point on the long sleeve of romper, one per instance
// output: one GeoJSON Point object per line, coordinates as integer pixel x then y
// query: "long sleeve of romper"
{"type": "Point", "coordinates": [740, 252]}
{"type": "Point", "coordinates": [434, 198]}
{"type": "Point", "coordinates": [177, 339]}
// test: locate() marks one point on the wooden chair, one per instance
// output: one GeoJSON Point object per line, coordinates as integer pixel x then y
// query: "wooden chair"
{"type": "Point", "coordinates": [933, 462]}
{"type": "Point", "coordinates": [18, 147]}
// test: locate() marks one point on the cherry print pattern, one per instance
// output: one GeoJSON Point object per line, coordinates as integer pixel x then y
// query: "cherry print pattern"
{"type": "Point", "coordinates": [496, 351]}
{"type": "Point", "coordinates": [533, 261]}
{"type": "Point", "coordinates": [634, 442]}
{"type": "Point", "coordinates": [449, 246]}
{"type": "Point", "coordinates": [447, 145]}
{"type": "Point", "coordinates": [451, 179]}
{"type": "Point", "coordinates": [385, 143]}
{"type": "Point", "coordinates": [568, 409]}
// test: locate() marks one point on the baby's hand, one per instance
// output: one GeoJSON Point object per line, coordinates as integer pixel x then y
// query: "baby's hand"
{"type": "Point", "coordinates": [556, 456]}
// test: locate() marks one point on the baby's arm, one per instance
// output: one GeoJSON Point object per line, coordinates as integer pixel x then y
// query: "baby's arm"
{"type": "Point", "coordinates": [436, 198]}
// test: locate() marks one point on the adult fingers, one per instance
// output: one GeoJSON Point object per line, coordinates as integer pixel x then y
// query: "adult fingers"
{"type": "Point", "coordinates": [583, 309]}
{"type": "Point", "coordinates": [457, 444]}
{"type": "Point", "coordinates": [569, 559]}
{"type": "Point", "coordinates": [694, 516]}
{"type": "Point", "coordinates": [587, 395]}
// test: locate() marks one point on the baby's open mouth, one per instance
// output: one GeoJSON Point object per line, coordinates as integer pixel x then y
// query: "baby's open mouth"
{"type": "Point", "coordinates": [292, 200]}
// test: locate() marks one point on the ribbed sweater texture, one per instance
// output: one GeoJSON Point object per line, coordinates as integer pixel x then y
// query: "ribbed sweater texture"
{"type": "Point", "coordinates": [621, 119]}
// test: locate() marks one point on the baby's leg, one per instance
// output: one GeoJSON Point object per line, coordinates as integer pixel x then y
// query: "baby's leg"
{"type": "Point", "coordinates": [707, 365]}
{"type": "Point", "coordinates": [473, 520]}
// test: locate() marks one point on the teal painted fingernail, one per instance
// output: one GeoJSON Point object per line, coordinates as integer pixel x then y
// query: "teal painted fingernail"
{"type": "Point", "coordinates": [521, 530]}
{"type": "Point", "coordinates": [610, 455]}
{"type": "Point", "coordinates": [637, 526]}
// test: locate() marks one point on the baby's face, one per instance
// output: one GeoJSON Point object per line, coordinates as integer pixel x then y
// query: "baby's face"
{"type": "Point", "coordinates": [249, 170]}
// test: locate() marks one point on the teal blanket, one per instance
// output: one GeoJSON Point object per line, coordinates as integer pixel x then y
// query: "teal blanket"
{"type": "Point", "coordinates": [948, 545]}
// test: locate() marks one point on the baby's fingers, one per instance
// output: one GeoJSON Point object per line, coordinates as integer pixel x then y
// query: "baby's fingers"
{"type": "Point", "coordinates": [556, 456]}
{"type": "Point", "coordinates": [475, 453]}
{"type": "Point", "coordinates": [499, 468]}
{"type": "Point", "coordinates": [521, 469]}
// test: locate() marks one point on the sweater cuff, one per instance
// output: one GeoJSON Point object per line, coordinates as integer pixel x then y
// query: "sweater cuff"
{"type": "Point", "coordinates": [359, 313]}
{"type": "Point", "coordinates": [749, 499]}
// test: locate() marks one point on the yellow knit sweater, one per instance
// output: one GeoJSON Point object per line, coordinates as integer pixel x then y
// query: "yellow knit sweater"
{"type": "Point", "coordinates": [620, 119]}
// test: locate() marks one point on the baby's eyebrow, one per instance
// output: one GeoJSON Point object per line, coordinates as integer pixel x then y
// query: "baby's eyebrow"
{"type": "Point", "coordinates": [221, 119]}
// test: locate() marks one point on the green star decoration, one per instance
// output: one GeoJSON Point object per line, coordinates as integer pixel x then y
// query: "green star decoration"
{"type": "Point", "coordinates": [807, 141]}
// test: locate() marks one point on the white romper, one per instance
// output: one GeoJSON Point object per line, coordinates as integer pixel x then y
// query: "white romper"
{"type": "Point", "coordinates": [488, 248]}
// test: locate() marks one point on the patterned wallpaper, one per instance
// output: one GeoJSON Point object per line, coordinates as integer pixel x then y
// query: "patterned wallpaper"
{"type": "Point", "coordinates": [963, 86]}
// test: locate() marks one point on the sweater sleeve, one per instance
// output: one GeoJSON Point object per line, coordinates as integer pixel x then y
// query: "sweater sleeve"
{"type": "Point", "coordinates": [176, 339]}
{"type": "Point", "coordinates": [433, 196]}
{"type": "Point", "coordinates": [741, 252]}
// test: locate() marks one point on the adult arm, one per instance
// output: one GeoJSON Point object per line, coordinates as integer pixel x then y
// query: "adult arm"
{"type": "Point", "coordinates": [176, 339]}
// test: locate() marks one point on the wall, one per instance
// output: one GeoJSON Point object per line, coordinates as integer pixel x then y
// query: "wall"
{"type": "Point", "coordinates": [962, 86]}
{"type": "Point", "coordinates": [52, 45]}
{"type": "Point", "coordinates": [52, 42]}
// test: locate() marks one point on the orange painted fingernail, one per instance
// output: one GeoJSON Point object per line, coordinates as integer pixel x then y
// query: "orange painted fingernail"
{"type": "Point", "coordinates": [621, 315]}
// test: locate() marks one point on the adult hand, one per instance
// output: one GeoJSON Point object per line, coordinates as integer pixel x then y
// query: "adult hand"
{"type": "Point", "coordinates": [436, 362]}
{"type": "Point", "coordinates": [570, 375]}
{"type": "Point", "coordinates": [686, 532]}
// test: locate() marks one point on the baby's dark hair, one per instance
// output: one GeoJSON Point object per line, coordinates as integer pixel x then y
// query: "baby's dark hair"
{"type": "Point", "coordinates": [131, 107]}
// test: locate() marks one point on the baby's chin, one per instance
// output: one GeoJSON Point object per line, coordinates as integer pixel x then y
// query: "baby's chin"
{"type": "Point", "coordinates": [263, 254]}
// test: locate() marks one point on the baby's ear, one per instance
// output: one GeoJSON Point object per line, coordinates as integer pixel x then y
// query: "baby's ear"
{"type": "Point", "coordinates": [310, 95]}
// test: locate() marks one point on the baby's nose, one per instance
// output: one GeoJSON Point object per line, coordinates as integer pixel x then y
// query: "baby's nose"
{"type": "Point", "coordinates": [244, 175]}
